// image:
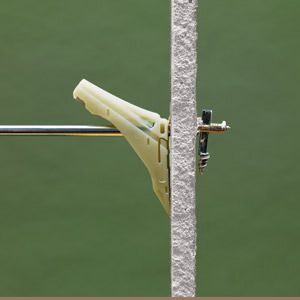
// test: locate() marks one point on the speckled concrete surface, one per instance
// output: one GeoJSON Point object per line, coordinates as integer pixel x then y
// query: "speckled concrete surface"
{"type": "Point", "coordinates": [184, 125]}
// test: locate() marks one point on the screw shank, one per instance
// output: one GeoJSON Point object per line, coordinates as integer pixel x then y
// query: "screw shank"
{"type": "Point", "coordinates": [56, 130]}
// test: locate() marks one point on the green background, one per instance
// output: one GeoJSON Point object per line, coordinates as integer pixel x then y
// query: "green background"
{"type": "Point", "coordinates": [78, 216]}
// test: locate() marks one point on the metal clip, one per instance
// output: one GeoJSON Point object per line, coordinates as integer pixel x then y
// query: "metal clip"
{"type": "Point", "coordinates": [204, 128]}
{"type": "Point", "coordinates": [203, 141]}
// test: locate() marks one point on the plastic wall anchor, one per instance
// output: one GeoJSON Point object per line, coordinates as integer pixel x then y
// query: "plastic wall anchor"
{"type": "Point", "coordinates": [146, 132]}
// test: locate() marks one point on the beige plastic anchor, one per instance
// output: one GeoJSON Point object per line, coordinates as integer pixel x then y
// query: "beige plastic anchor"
{"type": "Point", "coordinates": [146, 132]}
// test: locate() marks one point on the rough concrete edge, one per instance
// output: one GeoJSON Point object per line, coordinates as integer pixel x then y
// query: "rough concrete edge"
{"type": "Point", "coordinates": [183, 147]}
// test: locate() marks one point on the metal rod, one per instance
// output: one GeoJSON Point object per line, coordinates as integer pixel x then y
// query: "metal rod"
{"type": "Point", "coordinates": [57, 130]}
{"type": "Point", "coordinates": [81, 130]}
{"type": "Point", "coordinates": [213, 127]}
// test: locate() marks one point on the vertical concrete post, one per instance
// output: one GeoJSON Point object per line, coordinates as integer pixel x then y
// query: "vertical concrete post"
{"type": "Point", "coordinates": [183, 147]}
